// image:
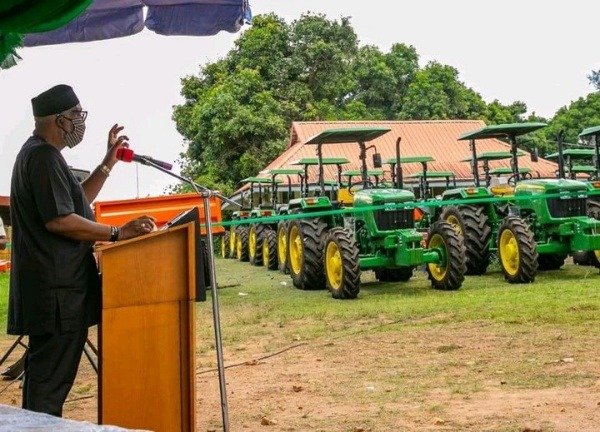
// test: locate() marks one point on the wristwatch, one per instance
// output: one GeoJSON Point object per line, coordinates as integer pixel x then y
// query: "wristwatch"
{"type": "Point", "coordinates": [114, 233]}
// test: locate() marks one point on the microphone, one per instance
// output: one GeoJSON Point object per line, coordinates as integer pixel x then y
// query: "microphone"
{"type": "Point", "coordinates": [127, 155]}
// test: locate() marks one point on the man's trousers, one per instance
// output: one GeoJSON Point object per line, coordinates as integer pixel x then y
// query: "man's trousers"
{"type": "Point", "coordinates": [50, 369]}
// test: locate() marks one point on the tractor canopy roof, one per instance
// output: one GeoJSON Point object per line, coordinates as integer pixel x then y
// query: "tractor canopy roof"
{"type": "Point", "coordinates": [326, 161]}
{"type": "Point", "coordinates": [410, 159]}
{"type": "Point", "coordinates": [346, 135]}
{"type": "Point", "coordinates": [494, 156]}
{"type": "Point", "coordinates": [432, 174]}
{"type": "Point", "coordinates": [371, 172]}
{"type": "Point", "coordinates": [284, 171]}
{"type": "Point", "coordinates": [595, 130]}
{"type": "Point", "coordinates": [507, 170]}
{"type": "Point", "coordinates": [588, 169]}
{"type": "Point", "coordinates": [261, 180]}
{"type": "Point", "coordinates": [582, 153]}
{"type": "Point", "coordinates": [502, 130]}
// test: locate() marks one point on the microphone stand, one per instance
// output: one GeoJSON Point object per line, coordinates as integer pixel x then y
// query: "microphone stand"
{"type": "Point", "coordinates": [206, 194]}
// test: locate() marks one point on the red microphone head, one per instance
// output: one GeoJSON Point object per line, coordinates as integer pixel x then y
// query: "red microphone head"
{"type": "Point", "coordinates": [124, 154]}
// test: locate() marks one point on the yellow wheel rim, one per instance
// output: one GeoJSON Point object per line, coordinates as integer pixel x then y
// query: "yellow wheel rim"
{"type": "Point", "coordinates": [509, 252]}
{"type": "Point", "coordinates": [252, 243]}
{"type": "Point", "coordinates": [281, 245]}
{"type": "Point", "coordinates": [223, 247]}
{"type": "Point", "coordinates": [453, 220]}
{"type": "Point", "coordinates": [232, 241]}
{"type": "Point", "coordinates": [334, 268]}
{"type": "Point", "coordinates": [238, 248]}
{"type": "Point", "coordinates": [295, 245]}
{"type": "Point", "coordinates": [597, 253]}
{"type": "Point", "coordinates": [438, 272]}
{"type": "Point", "coordinates": [265, 253]}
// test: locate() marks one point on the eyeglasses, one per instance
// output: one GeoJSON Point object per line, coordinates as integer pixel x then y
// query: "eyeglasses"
{"type": "Point", "coordinates": [75, 114]}
{"type": "Point", "coordinates": [81, 114]}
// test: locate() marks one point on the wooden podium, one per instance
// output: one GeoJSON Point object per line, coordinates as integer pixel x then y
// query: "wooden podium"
{"type": "Point", "coordinates": [146, 336]}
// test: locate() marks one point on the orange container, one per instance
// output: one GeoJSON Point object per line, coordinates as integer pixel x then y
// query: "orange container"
{"type": "Point", "coordinates": [163, 208]}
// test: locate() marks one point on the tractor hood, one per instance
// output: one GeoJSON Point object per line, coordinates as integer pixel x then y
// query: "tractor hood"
{"type": "Point", "coordinates": [368, 197]}
{"type": "Point", "coordinates": [545, 186]}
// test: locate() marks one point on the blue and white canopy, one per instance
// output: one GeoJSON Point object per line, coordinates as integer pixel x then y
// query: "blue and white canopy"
{"type": "Point", "coordinates": [107, 19]}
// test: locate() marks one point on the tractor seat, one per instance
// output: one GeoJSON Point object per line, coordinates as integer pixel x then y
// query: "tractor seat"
{"type": "Point", "coordinates": [502, 190]}
{"type": "Point", "coordinates": [344, 197]}
{"type": "Point", "coordinates": [500, 187]}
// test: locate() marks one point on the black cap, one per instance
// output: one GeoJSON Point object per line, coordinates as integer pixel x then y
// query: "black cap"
{"type": "Point", "coordinates": [54, 101]}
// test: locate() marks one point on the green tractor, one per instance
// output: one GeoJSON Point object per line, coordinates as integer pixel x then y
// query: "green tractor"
{"type": "Point", "coordinates": [246, 235]}
{"type": "Point", "coordinates": [576, 161]}
{"type": "Point", "coordinates": [328, 186]}
{"type": "Point", "coordinates": [528, 232]}
{"type": "Point", "coordinates": [331, 251]}
{"type": "Point", "coordinates": [262, 237]}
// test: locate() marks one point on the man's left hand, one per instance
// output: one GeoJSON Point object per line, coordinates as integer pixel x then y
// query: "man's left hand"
{"type": "Point", "coordinates": [115, 142]}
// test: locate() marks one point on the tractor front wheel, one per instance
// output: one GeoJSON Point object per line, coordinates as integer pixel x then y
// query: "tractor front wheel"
{"type": "Point", "coordinates": [340, 260]}
{"type": "Point", "coordinates": [282, 240]}
{"type": "Point", "coordinates": [305, 253]}
{"type": "Point", "coordinates": [225, 245]}
{"type": "Point", "coordinates": [241, 243]}
{"type": "Point", "coordinates": [255, 244]}
{"type": "Point", "coordinates": [472, 224]}
{"type": "Point", "coordinates": [269, 249]}
{"type": "Point", "coordinates": [517, 251]}
{"type": "Point", "coordinates": [449, 272]}
{"type": "Point", "coordinates": [593, 257]}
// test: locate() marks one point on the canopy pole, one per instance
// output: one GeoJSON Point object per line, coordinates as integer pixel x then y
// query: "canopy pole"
{"type": "Point", "coordinates": [474, 166]}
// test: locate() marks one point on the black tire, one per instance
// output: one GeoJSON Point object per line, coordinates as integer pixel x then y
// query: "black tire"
{"type": "Point", "coordinates": [282, 232]}
{"type": "Point", "coordinates": [232, 242]}
{"type": "Point", "coordinates": [475, 229]}
{"type": "Point", "coordinates": [451, 273]}
{"type": "Point", "coordinates": [525, 269]}
{"type": "Point", "coordinates": [593, 207]}
{"type": "Point", "coordinates": [269, 241]}
{"type": "Point", "coordinates": [241, 247]}
{"type": "Point", "coordinates": [400, 274]}
{"type": "Point", "coordinates": [550, 261]}
{"type": "Point", "coordinates": [343, 264]}
{"type": "Point", "coordinates": [309, 274]}
{"type": "Point", "coordinates": [255, 255]}
{"type": "Point", "coordinates": [224, 249]}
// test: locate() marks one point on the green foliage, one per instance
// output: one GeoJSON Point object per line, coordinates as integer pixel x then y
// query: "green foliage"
{"type": "Point", "coordinates": [582, 113]}
{"type": "Point", "coordinates": [238, 110]}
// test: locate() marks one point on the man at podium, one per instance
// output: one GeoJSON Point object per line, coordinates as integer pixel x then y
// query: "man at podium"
{"type": "Point", "coordinates": [54, 285]}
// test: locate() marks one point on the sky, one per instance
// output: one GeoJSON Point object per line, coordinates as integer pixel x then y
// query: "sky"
{"type": "Point", "coordinates": [535, 51]}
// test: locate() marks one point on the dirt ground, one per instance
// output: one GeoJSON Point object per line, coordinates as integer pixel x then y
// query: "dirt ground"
{"type": "Point", "coordinates": [418, 377]}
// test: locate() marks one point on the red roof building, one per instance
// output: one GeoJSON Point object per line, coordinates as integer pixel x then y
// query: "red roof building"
{"type": "Point", "coordinates": [436, 138]}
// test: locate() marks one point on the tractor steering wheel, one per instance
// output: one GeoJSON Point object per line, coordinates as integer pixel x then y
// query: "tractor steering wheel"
{"type": "Point", "coordinates": [369, 184]}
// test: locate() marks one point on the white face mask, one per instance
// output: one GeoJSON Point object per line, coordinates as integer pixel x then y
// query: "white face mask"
{"type": "Point", "coordinates": [75, 135]}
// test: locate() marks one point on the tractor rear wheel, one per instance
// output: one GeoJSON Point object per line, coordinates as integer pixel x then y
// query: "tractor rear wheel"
{"type": "Point", "coordinates": [341, 263]}
{"type": "Point", "coordinates": [241, 243]}
{"type": "Point", "coordinates": [400, 274]}
{"type": "Point", "coordinates": [255, 244]}
{"type": "Point", "coordinates": [282, 240]}
{"type": "Point", "coordinates": [594, 212]}
{"type": "Point", "coordinates": [449, 273]}
{"type": "Point", "coordinates": [225, 245]}
{"type": "Point", "coordinates": [550, 261]}
{"type": "Point", "coordinates": [517, 251]}
{"type": "Point", "coordinates": [305, 253]}
{"type": "Point", "coordinates": [269, 249]}
{"type": "Point", "coordinates": [232, 243]}
{"type": "Point", "coordinates": [472, 224]}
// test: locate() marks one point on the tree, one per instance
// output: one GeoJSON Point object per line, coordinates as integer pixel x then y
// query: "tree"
{"type": "Point", "coordinates": [594, 78]}
{"type": "Point", "coordinates": [580, 114]}
{"type": "Point", "coordinates": [238, 110]}
{"type": "Point", "coordinates": [436, 93]}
